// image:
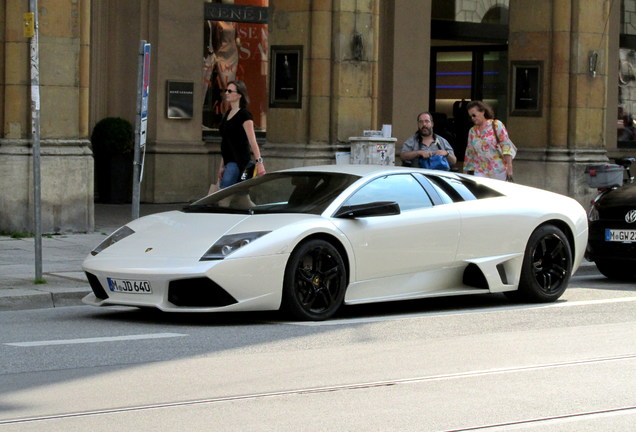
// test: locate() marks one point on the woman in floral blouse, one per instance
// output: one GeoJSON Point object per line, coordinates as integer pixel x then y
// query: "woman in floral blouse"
{"type": "Point", "coordinates": [488, 155]}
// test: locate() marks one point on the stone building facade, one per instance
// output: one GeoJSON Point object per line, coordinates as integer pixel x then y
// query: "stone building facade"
{"type": "Point", "coordinates": [66, 157]}
{"type": "Point", "coordinates": [360, 64]}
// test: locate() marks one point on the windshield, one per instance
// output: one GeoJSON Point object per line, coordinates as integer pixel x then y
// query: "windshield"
{"type": "Point", "coordinates": [292, 192]}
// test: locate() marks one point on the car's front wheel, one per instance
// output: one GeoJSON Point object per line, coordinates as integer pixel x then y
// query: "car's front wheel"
{"type": "Point", "coordinates": [315, 281]}
{"type": "Point", "coordinates": [620, 270]}
{"type": "Point", "coordinates": [547, 266]}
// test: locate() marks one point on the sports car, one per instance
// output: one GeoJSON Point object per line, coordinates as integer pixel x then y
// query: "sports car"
{"type": "Point", "coordinates": [308, 240]}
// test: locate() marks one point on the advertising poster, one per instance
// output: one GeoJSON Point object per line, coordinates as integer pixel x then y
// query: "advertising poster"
{"type": "Point", "coordinates": [235, 48]}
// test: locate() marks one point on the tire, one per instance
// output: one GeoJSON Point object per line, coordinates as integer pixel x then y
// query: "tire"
{"type": "Point", "coordinates": [315, 281]}
{"type": "Point", "coordinates": [547, 266]}
{"type": "Point", "coordinates": [619, 270]}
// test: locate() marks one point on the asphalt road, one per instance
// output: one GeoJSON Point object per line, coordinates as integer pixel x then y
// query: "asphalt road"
{"type": "Point", "coordinates": [455, 364]}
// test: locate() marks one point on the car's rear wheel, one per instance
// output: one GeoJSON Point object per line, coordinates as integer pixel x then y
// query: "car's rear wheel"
{"type": "Point", "coordinates": [616, 269]}
{"type": "Point", "coordinates": [547, 266]}
{"type": "Point", "coordinates": [315, 281]}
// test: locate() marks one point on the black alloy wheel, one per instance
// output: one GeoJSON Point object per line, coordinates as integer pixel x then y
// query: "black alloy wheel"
{"type": "Point", "coordinates": [315, 281]}
{"type": "Point", "coordinates": [547, 266]}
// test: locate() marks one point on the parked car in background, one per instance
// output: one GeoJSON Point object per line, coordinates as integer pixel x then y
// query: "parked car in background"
{"type": "Point", "coordinates": [612, 219]}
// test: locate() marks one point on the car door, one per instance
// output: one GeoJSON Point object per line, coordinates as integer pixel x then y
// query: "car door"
{"type": "Point", "coordinates": [422, 238]}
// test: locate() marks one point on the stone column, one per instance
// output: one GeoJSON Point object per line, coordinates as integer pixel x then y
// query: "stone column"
{"type": "Point", "coordinates": [301, 136]}
{"type": "Point", "coordinates": [319, 62]}
{"type": "Point", "coordinates": [409, 55]}
{"type": "Point", "coordinates": [570, 132]}
{"type": "Point", "coordinates": [66, 158]}
{"type": "Point", "coordinates": [354, 68]}
{"type": "Point", "coordinates": [339, 83]}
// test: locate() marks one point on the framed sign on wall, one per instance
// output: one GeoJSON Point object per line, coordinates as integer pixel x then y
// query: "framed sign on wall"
{"type": "Point", "coordinates": [286, 67]}
{"type": "Point", "coordinates": [526, 88]}
{"type": "Point", "coordinates": [180, 103]}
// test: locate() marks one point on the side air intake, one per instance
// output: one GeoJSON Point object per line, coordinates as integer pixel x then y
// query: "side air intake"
{"type": "Point", "coordinates": [474, 277]}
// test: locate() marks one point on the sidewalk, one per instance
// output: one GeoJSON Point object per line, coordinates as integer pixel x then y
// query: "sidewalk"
{"type": "Point", "coordinates": [62, 257]}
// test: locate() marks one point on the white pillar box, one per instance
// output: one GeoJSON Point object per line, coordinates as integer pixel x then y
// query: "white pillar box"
{"type": "Point", "coordinates": [373, 150]}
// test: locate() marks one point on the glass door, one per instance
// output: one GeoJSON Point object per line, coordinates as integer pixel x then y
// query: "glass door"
{"type": "Point", "coordinates": [459, 75]}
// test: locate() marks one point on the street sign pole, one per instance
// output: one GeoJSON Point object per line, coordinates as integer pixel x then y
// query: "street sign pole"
{"type": "Point", "coordinates": [141, 123]}
{"type": "Point", "coordinates": [31, 30]}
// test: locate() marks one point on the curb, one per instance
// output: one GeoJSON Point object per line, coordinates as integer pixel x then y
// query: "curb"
{"type": "Point", "coordinates": [22, 299]}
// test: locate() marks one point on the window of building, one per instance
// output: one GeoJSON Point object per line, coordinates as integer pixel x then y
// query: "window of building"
{"type": "Point", "coordinates": [235, 47]}
{"type": "Point", "coordinates": [462, 74]}
{"type": "Point", "coordinates": [476, 11]}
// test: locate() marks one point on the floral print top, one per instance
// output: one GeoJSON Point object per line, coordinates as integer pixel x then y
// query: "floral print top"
{"type": "Point", "coordinates": [484, 153]}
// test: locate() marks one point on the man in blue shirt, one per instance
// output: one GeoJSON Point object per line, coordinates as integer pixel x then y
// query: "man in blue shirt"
{"type": "Point", "coordinates": [424, 143]}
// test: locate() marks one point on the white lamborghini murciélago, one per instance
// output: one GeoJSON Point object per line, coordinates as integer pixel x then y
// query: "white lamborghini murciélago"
{"type": "Point", "coordinates": [308, 240]}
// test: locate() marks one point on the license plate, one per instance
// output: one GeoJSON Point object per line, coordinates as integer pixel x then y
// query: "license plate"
{"type": "Point", "coordinates": [129, 286]}
{"type": "Point", "coordinates": [626, 236]}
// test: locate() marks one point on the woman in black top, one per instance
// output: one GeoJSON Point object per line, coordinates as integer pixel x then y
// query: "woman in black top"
{"type": "Point", "coordinates": [238, 140]}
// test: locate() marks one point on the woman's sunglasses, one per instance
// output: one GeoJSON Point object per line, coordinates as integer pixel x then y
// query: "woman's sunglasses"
{"type": "Point", "coordinates": [230, 91]}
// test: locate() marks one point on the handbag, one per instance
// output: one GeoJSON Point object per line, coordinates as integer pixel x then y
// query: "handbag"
{"type": "Point", "coordinates": [513, 147]}
{"type": "Point", "coordinates": [435, 162]}
{"type": "Point", "coordinates": [249, 171]}
{"type": "Point", "coordinates": [513, 150]}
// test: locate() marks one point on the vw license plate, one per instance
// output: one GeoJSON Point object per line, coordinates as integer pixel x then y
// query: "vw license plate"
{"type": "Point", "coordinates": [627, 236]}
{"type": "Point", "coordinates": [129, 286]}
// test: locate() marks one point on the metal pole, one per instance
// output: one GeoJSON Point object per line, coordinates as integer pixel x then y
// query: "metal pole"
{"type": "Point", "coordinates": [35, 134]}
{"type": "Point", "coordinates": [136, 192]}
{"type": "Point", "coordinates": [141, 122]}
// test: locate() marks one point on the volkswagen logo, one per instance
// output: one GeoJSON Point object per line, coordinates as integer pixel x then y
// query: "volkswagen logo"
{"type": "Point", "coordinates": [630, 217]}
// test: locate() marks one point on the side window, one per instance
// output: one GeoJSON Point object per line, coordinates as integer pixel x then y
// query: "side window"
{"type": "Point", "coordinates": [401, 188]}
{"type": "Point", "coordinates": [480, 191]}
{"type": "Point", "coordinates": [437, 189]}
{"type": "Point", "coordinates": [461, 189]}
{"type": "Point", "coordinates": [448, 188]}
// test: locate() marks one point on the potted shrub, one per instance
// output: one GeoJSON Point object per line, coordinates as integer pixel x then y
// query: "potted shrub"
{"type": "Point", "coordinates": [113, 143]}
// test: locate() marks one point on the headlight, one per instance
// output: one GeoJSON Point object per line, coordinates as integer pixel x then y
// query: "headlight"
{"type": "Point", "coordinates": [229, 244]}
{"type": "Point", "coordinates": [120, 234]}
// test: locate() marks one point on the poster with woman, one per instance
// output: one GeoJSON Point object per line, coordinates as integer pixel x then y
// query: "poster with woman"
{"type": "Point", "coordinates": [235, 47]}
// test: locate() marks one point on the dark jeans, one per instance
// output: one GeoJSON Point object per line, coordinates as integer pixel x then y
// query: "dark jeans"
{"type": "Point", "coordinates": [231, 175]}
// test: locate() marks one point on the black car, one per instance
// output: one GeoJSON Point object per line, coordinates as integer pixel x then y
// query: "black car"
{"type": "Point", "coordinates": [612, 227]}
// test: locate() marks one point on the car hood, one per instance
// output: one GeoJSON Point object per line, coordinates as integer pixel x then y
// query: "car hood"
{"type": "Point", "coordinates": [622, 197]}
{"type": "Point", "coordinates": [182, 235]}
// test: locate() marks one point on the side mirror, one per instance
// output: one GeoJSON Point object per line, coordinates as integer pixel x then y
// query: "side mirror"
{"type": "Point", "coordinates": [379, 208]}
